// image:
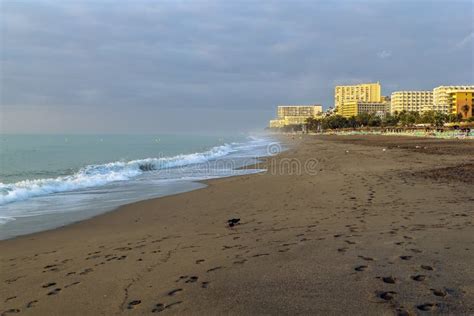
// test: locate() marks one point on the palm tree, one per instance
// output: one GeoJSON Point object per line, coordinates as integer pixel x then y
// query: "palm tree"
{"type": "Point", "coordinates": [465, 109]}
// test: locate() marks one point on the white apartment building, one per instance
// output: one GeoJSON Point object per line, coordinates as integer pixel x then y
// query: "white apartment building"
{"type": "Point", "coordinates": [418, 101]}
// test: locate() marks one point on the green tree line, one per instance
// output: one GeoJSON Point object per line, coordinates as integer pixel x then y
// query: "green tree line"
{"type": "Point", "coordinates": [404, 118]}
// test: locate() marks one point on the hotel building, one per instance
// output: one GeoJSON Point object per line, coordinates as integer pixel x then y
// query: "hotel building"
{"type": "Point", "coordinates": [295, 114]}
{"type": "Point", "coordinates": [354, 108]}
{"type": "Point", "coordinates": [461, 103]}
{"type": "Point", "coordinates": [367, 92]}
{"type": "Point", "coordinates": [444, 96]}
{"type": "Point", "coordinates": [417, 101]}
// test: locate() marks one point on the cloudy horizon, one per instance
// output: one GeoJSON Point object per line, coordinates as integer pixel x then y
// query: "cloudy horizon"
{"type": "Point", "coordinates": [204, 66]}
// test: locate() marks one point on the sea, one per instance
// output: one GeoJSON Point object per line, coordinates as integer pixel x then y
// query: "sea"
{"type": "Point", "coordinates": [48, 181]}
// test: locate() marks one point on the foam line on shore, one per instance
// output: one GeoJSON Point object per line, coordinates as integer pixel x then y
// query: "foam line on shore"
{"type": "Point", "coordinates": [102, 174]}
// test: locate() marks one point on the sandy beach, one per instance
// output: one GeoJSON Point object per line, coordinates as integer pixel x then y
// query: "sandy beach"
{"type": "Point", "coordinates": [337, 225]}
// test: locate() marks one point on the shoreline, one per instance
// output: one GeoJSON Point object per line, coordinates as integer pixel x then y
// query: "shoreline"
{"type": "Point", "coordinates": [93, 215]}
{"type": "Point", "coordinates": [89, 214]}
{"type": "Point", "coordinates": [205, 182]}
{"type": "Point", "coordinates": [307, 243]}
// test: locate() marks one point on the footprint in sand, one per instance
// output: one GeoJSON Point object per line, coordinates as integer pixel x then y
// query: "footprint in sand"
{"type": "Point", "coordinates": [192, 279]}
{"type": "Point", "coordinates": [387, 296]}
{"type": "Point", "coordinates": [158, 308]}
{"type": "Point", "coordinates": [440, 293]}
{"type": "Point", "coordinates": [93, 257]}
{"type": "Point", "coordinates": [214, 269]}
{"type": "Point", "coordinates": [54, 292]}
{"type": "Point", "coordinates": [31, 304]}
{"type": "Point", "coordinates": [49, 285]}
{"type": "Point", "coordinates": [260, 255]}
{"type": "Point", "coordinates": [173, 292]}
{"type": "Point", "coordinates": [173, 304]}
{"type": "Point", "coordinates": [133, 303]}
{"type": "Point", "coordinates": [389, 280]}
{"type": "Point", "coordinates": [406, 257]}
{"type": "Point", "coordinates": [10, 311]}
{"type": "Point", "coordinates": [360, 268]}
{"type": "Point", "coordinates": [86, 271]}
{"type": "Point", "coordinates": [418, 277]}
{"type": "Point", "coordinates": [426, 307]}
{"type": "Point", "coordinates": [72, 284]}
{"type": "Point", "coordinates": [49, 266]}
{"type": "Point", "coordinates": [123, 249]}
{"type": "Point", "coordinates": [181, 277]}
{"type": "Point", "coordinates": [10, 281]}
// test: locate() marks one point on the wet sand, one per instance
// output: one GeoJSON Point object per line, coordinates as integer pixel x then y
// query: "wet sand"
{"type": "Point", "coordinates": [338, 224]}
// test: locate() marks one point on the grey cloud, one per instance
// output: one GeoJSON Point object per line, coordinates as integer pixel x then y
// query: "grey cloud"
{"type": "Point", "coordinates": [218, 59]}
{"type": "Point", "coordinates": [384, 54]}
{"type": "Point", "coordinates": [469, 39]}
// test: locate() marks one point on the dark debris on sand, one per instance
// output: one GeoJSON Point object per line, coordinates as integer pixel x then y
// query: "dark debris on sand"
{"type": "Point", "coordinates": [233, 221]}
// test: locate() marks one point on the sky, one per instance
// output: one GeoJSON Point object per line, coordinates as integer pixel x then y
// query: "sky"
{"type": "Point", "coordinates": [203, 66]}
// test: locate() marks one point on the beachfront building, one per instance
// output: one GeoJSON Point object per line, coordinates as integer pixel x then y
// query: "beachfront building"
{"type": "Point", "coordinates": [461, 103]}
{"type": "Point", "coordinates": [443, 97]}
{"type": "Point", "coordinates": [299, 111]}
{"type": "Point", "coordinates": [276, 123]}
{"type": "Point", "coordinates": [295, 114]}
{"type": "Point", "coordinates": [417, 101]}
{"type": "Point", "coordinates": [366, 92]}
{"type": "Point", "coordinates": [354, 108]}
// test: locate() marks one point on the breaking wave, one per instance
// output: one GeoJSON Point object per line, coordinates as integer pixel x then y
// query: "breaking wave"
{"type": "Point", "coordinates": [98, 175]}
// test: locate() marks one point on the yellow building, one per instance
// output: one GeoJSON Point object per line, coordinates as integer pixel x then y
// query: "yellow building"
{"type": "Point", "coordinates": [299, 110]}
{"type": "Point", "coordinates": [276, 123]}
{"type": "Point", "coordinates": [295, 114]}
{"type": "Point", "coordinates": [354, 108]}
{"type": "Point", "coordinates": [442, 97]}
{"type": "Point", "coordinates": [367, 92]}
{"type": "Point", "coordinates": [461, 103]}
{"type": "Point", "coordinates": [417, 101]}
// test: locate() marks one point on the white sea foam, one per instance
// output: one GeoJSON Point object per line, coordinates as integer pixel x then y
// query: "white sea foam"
{"type": "Point", "coordinates": [98, 175]}
{"type": "Point", "coordinates": [6, 219]}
